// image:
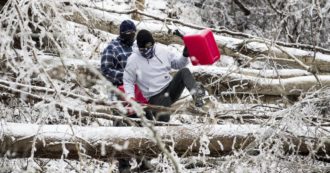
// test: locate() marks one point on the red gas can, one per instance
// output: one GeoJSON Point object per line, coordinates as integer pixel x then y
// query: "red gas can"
{"type": "Point", "coordinates": [138, 94]}
{"type": "Point", "coordinates": [202, 48]}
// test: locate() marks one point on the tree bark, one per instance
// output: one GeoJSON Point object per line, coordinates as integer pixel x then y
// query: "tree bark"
{"type": "Point", "coordinates": [242, 7]}
{"type": "Point", "coordinates": [218, 80]}
{"type": "Point", "coordinates": [121, 142]}
{"type": "Point", "coordinates": [139, 4]}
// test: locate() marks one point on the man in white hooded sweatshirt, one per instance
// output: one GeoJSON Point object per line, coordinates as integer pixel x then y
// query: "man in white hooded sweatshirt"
{"type": "Point", "coordinates": [149, 67]}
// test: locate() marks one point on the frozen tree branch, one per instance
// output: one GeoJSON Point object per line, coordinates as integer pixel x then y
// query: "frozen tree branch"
{"type": "Point", "coordinates": [242, 7]}
{"type": "Point", "coordinates": [275, 9]}
{"type": "Point", "coordinates": [76, 112]}
{"type": "Point", "coordinates": [139, 4]}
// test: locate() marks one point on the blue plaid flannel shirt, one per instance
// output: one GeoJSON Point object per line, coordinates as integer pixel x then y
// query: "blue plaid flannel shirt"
{"type": "Point", "coordinates": [113, 61]}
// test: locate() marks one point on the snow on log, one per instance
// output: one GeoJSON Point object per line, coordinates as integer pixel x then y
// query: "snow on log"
{"type": "Point", "coordinates": [212, 77]}
{"type": "Point", "coordinates": [263, 73]}
{"type": "Point", "coordinates": [56, 141]}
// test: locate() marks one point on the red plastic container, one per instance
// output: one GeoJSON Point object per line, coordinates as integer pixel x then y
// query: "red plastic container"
{"type": "Point", "coordinates": [138, 94]}
{"type": "Point", "coordinates": [202, 48]}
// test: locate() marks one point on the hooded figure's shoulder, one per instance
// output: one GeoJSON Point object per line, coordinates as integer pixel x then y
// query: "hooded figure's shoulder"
{"type": "Point", "coordinates": [161, 50]}
{"type": "Point", "coordinates": [161, 47]}
{"type": "Point", "coordinates": [112, 45]}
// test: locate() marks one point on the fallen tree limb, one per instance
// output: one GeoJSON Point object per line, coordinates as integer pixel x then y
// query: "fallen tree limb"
{"type": "Point", "coordinates": [76, 112]}
{"type": "Point", "coordinates": [55, 141]}
{"type": "Point", "coordinates": [44, 90]}
{"type": "Point", "coordinates": [266, 73]}
{"type": "Point", "coordinates": [261, 47]}
{"type": "Point", "coordinates": [101, 105]}
{"type": "Point", "coordinates": [212, 78]}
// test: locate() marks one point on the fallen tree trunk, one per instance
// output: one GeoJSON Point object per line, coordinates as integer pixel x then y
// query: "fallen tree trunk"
{"type": "Point", "coordinates": [217, 80]}
{"type": "Point", "coordinates": [56, 141]}
{"type": "Point", "coordinates": [265, 73]}
{"type": "Point", "coordinates": [257, 49]}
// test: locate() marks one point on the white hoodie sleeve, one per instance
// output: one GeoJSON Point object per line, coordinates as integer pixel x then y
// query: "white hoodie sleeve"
{"type": "Point", "coordinates": [129, 78]}
{"type": "Point", "coordinates": [177, 62]}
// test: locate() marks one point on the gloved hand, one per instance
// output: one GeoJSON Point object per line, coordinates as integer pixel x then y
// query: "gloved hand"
{"type": "Point", "coordinates": [129, 109]}
{"type": "Point", "coordinates": [185, 52]}
{"type": "Point", "coordinates": [178, 33]}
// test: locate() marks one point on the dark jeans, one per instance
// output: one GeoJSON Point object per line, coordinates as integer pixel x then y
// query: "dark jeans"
{"type": "Point", "coordinates": [173, 91]}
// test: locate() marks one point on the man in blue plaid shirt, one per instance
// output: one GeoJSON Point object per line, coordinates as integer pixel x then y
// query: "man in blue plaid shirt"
{"type": "Point", "coordinates": [114, 56]}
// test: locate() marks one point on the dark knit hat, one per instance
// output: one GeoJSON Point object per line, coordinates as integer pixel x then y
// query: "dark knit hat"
{"type": "Point", "coordinates": [127, 25]}
{"type": "Point", "coordinates": [143, 38]}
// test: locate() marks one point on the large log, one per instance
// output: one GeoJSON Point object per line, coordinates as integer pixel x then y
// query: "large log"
{"type": "Point", "coordinates": [56, 141]}
{"type": "Point", "coordinates": [218, 80]}
{"type": "Point", "coordinates": [263, 73]}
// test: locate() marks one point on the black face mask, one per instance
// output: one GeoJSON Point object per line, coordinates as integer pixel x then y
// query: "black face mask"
{"type": "Point", "coordinates": [128, 38]}
{"type": "Point", "coordinates": [147, 52]}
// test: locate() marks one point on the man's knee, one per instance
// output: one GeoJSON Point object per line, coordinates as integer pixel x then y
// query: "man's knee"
{"type": "Point", "coordinates": [185, 70]}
